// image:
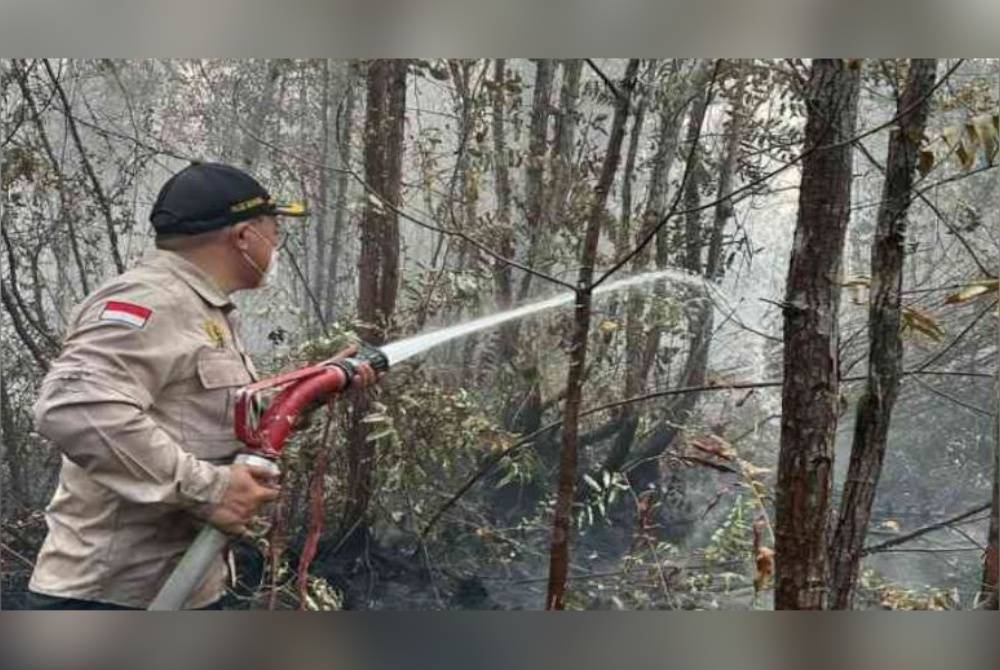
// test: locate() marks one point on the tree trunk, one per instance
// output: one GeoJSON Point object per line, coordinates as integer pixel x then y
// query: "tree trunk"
{"type": "Point", "coordinates": [885, 354]}
{"type": "Point", "coordinates": [502, 275]}
{"type": "Point", "coordinates": [565, 140]}
{"type": "Point", "coordinates": [320, 269]}
{"type": "Point", "coordinates": [468, 182]}
{"type": "Point", "coordinates": [562, 522]}
{"type": "Point", "coordinates": [523, 413]}
{"type": "Point", "coordinates": [990, 596]}
{"type": "Point", "coordinates": [810, 392]}
{"type": "Point", "coordinates": [641, 344]}
{"type": "Point", "coordinates": [635, 377]}
{"type": "Point", "coordinates": [699, 316]}
{"type": "Point", "coordinates": [251, 146]}
{"type": "Point", "coordinates": [624, 233]}
{"type": "Point", "coordinates": [337, 252]}
{"type": "Point", "coordinates": [378, 263]}
{"type": "Point", "coordinates": [103, 203]}
{"type": "Point", "coordinates": [534, 173]}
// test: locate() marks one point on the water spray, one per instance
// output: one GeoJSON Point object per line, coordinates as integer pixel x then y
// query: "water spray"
{"type": "Point", "coordinates": [264, 424]}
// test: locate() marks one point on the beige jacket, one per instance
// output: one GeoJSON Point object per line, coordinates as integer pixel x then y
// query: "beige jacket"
{"type": "Point", "coordinates": [139, 402]}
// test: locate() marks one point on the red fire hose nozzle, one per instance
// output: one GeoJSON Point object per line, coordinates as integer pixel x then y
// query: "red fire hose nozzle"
{"type": "Point", "coordinates": [265, 431]}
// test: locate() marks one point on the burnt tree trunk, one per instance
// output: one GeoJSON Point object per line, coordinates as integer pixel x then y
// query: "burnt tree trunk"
{"type": "Point", "coordinates": [563, 517]}
{"type": "Point", "coordinates": [885, 354]}
{"type": "Point", "coordinates": [811, 390]}
{"type": "Point", "coordinates": [378, 263]}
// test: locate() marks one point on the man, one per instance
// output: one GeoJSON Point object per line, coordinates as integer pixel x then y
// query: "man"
{"type": "Point", "coordinates": [140, 402]}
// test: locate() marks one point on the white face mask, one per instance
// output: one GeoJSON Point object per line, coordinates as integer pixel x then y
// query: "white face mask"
{"type": "Point", "coordinates": [268, 275]}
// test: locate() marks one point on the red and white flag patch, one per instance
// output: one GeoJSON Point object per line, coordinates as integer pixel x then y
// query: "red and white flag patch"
{"type": "Point", "coordinates": [126, 312]}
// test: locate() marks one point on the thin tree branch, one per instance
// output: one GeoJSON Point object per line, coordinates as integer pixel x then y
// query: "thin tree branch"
{"type": "Point", "coordinates": [902, 539]}
{"type": "Point", "coordinates": [22, 80]}
{"type": "Point", "coordinates": [965, 331]}
{"type": "Point", "coordinates": [953, 399]}
{"type": "Point", "coordinates": [22, 332]}
{"type": "Point", "coordinates": [937, 212]}
{"type": "Point", "coordinates": [102, 200]}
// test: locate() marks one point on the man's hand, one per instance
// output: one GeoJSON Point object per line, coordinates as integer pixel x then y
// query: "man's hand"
{"type": "Point", "coordinates": [366, 375]}
{"type": "Point", "coordinates": [249, 488]}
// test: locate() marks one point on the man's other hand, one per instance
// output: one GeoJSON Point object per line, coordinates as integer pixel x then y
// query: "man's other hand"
{"type": "Point", "coordinates": [249, 488]}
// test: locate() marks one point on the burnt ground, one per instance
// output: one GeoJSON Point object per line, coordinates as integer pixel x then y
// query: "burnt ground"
{"type": "Point", "coordinates": [379, 578]}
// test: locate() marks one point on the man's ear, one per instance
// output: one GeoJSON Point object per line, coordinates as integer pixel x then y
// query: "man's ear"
{"type": "Point", "coordinates": [238, 235]}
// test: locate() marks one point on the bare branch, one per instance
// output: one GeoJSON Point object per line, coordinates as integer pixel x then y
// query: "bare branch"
{"type": "Point", "coordinates": [902, 539]}
{"type": "Point", "coordinates": [102, 199]}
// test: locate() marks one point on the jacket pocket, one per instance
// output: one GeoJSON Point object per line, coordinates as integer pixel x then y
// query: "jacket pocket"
{"type": "Point", "coordinates": [221, 369]}
{"type": "Point", "coordinates": [207, 418]}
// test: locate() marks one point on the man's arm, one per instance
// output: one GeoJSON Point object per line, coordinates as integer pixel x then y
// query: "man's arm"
{"type": "Point", "coordinates": [112, 438]}
{"type": "Point", "coordinates": [122, 350]}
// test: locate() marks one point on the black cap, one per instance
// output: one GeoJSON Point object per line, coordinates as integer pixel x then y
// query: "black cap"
{"type": "Point", "coordinates": [208, 196]}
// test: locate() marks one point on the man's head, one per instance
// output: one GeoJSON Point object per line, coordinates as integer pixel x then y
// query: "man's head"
{"type": "Point", "coordinates": [222, 219]}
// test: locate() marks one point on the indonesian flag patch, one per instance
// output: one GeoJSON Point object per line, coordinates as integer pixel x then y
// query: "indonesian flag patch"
{"type": "Point", "coordinates": [126, 312]}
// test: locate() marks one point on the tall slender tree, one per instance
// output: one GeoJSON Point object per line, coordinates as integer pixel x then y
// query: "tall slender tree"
{"type": "Point", "coordinates": [378, 262]}
{"type": "Point", "coordinates": [885, 352]}
{"type": "Point", "coordinates": [811, 386]}
{"type": "Point", "coordinates": [991, 561]}
{"type": "Point", "coordinates": [562, 521]}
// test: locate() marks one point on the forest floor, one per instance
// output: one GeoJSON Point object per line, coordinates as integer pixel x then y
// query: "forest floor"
{"type": "Point", "coordinates": [392, 579]}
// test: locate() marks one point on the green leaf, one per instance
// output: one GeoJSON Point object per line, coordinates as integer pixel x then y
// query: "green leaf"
{"type": "Point", "coordinates": [591, 483]}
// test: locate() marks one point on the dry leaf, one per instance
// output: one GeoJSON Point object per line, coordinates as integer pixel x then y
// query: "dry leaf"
{"type": "Point", "coordinates": [764, 568]}
{"type": "Point", "coordinates": [973, 290]}
{"type": "Point", "coordinates": [713, 445]}
{"type": "Point", "coordinates": [922, 322]}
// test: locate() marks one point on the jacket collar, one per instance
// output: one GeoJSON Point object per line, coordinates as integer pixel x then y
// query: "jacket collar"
{"type": "Point", "coordinates": [192, 275]}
